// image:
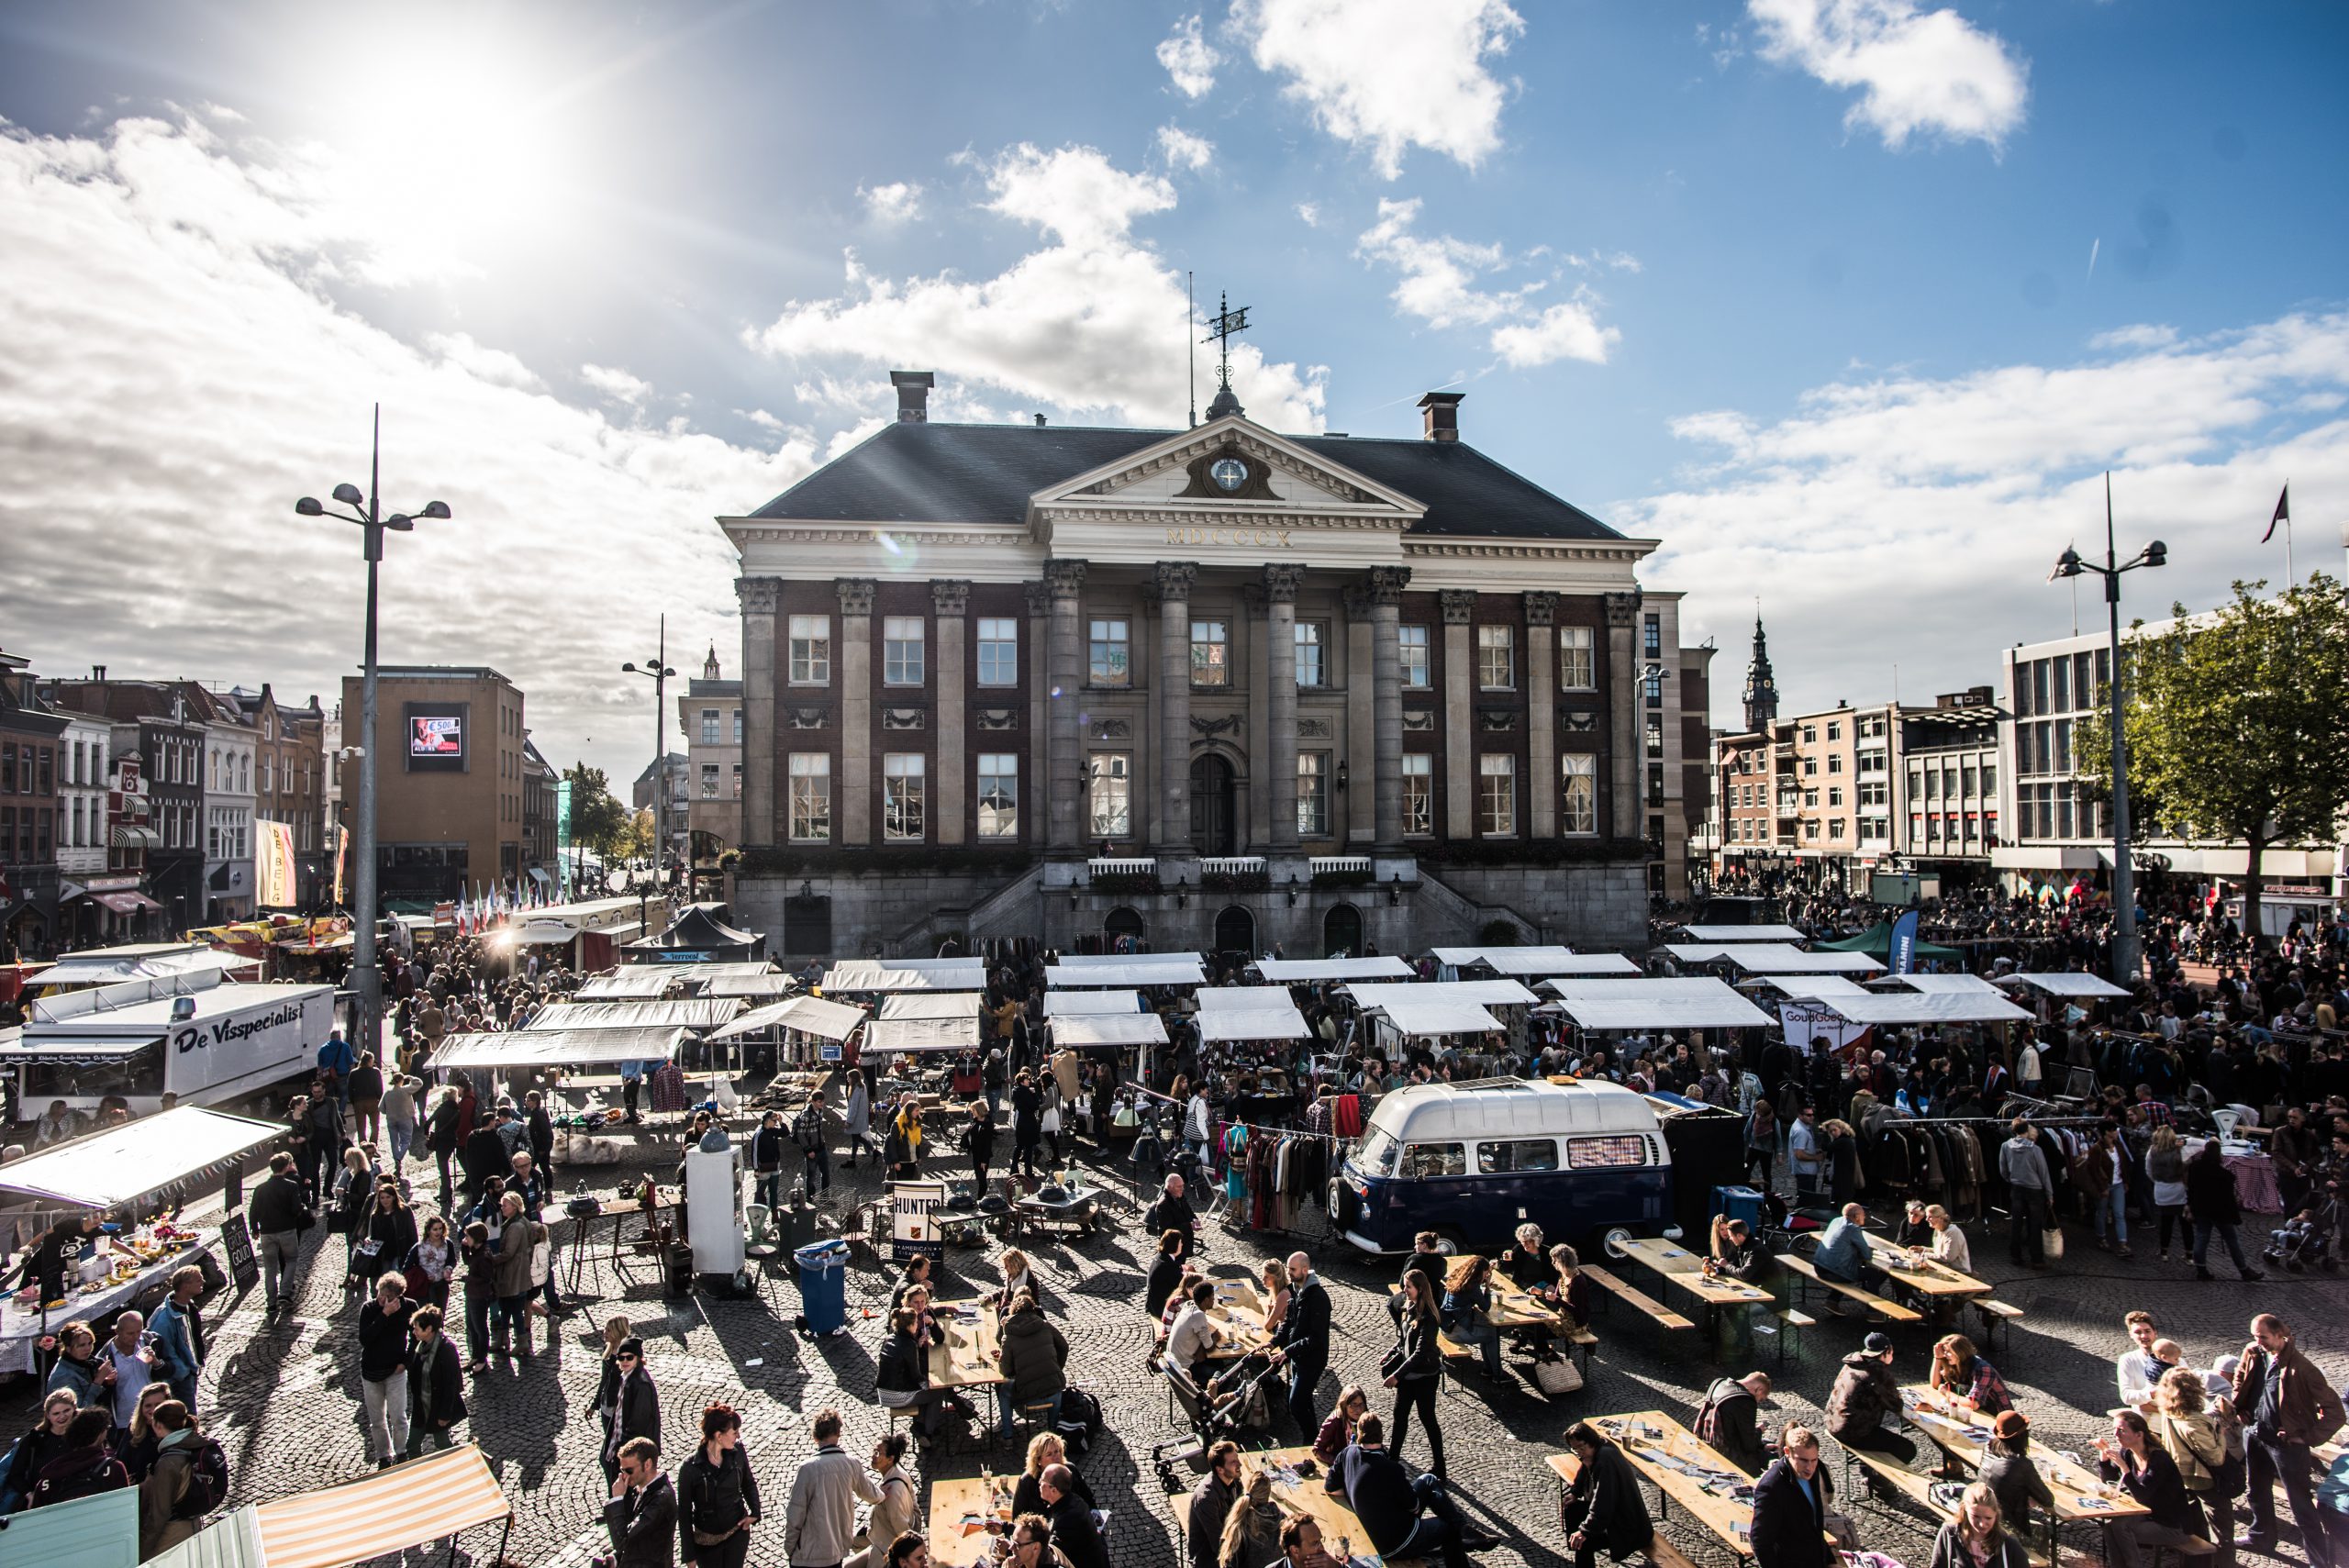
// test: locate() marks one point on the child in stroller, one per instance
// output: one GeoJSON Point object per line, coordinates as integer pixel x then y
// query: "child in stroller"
{"type": "Point", "coordinates": [2306, 1239]}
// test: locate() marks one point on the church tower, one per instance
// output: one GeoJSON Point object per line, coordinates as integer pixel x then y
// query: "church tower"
{"type": "Point", "coordinates": [1761, 688]}
{"type": "Point", "coordinates": [710, 665]}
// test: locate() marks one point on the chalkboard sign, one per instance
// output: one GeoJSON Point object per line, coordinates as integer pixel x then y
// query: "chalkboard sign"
{"type": "Point", "coordinates": [240, 1242]}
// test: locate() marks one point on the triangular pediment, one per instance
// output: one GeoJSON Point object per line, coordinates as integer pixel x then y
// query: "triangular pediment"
{"type": "Point", "coordinates": [1180, 472]}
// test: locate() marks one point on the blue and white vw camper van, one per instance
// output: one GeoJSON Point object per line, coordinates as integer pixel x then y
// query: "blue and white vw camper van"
{"type": "Point", "coordinates": [1472, 1161]}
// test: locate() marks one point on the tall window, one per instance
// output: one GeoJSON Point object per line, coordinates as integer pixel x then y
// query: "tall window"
{"type": "Point", "coordinates": [1654, 735]}
{"type": "Point", "coordinates": [1578, 797]}
{"type": "Point", "coordinates": [1112, 810]}
{"type": "Point", "coordinates": [1417, 675]}
{"type": "Point", "coordinates": [901, 650]}
{"type": "Point", "coordinates": [1311, 671]}
{"type": "Point", "coordinates": [1210, 654]}
{"type": "Point", "coordinates": [1652, 637]}
{"type": "Point", "coordinates": [738, 727]}
{"type": "Point", "coordinates": [1312, 793]}
{"type": "Point", "coordinates": [1496, 795]}
{"type": "Point", "coordinates": [1575, 670]}
{"type": "Point", "coordinates": [811, 796]}
{"type": "Point", "coordinates": [1109, 665]}
{"type": "Point", "coordinates": [709, 781]}
{"type": "Point", "coordinates": [811, 651]}
{"type": "Point", "coordinates": [1419, 792]}
{"type": "Point", "coordinates": [998, 652]}
{"type": "Point", "coordinates": [904, 797]}
{"type": "Point", "coordinates": [1496, 657]}
{"type": "Point", "coordinates": [1653, 682]}
{"type": "Point", "coordinates": [709, 727]}
{"type": "Point", "coordinates": [998, 795]}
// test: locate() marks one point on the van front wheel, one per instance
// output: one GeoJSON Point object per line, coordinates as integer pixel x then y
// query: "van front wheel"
{"type": "Point", "coordinates": [1453, 1243]}
{"type": "Point", "coordinates": [1611, 1241]}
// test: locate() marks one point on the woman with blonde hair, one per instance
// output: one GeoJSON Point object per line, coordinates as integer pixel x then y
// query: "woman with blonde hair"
{"type": "Point", "coordinates": [1977, 1537]}
{"type": "Point", "coordinates": [2165, 1169]}
{"type": "Point", "coordinates": [1044, 1451]}
{"type": "Point", "coordinates": [1949, 1247]}
{"type": "Point", "coordinates": [606, 1405]}
{"type": "Point", "coordinates": [1252, 1530]}
{"type": "Point", "coordinates": [2195, 1437]}
{"type": "Point", "coordinates": [1271, 1284]}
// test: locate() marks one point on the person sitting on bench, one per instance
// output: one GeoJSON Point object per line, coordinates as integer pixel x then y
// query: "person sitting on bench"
{"type": "Point", "coordinates": [1403, 1517]}
{"type": "Point", "coordinates": [1845, 1254]}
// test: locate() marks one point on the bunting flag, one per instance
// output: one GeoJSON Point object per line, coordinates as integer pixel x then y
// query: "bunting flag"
{"type": "Point", "coordinates": [2282, 513]}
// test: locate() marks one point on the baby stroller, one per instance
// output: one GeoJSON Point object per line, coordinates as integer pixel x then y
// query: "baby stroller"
{"type": "Point", "coordinates": [2305, 1241]}
{"type": "Point", "coordinates": [1780, 1225]}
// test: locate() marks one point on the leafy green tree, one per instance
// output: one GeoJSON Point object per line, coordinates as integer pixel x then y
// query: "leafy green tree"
{"type": "Point", "coordinates": [2237, 728]}
{"type": "Point", "coordinates": [641, 834]}
{"type": "Point", "coordinates": [597, 820]}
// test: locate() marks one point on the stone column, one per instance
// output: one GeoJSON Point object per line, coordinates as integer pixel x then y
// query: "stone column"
{"type": "Point", "coordinates": [1174, 685]}
{"type": "Point", "coordinates": [1542, 712]}
{"type": "Point", "coordinates": [950, 597]}
{"type": "Point", "coordinates": [760, 598]}
{"type": "Point", "coordinates": [1035, 781]}
{"type": "Point", "coordinates": [1387, 677]}
{"type": "Point", "coordinates": [1065, 695]}
{"type": "Point", "coordinates": [1280, 700]}
{"type": "Point", "coordinates": [1623, 713]}
{"type": "Point", "coordinates": [856, 710]}
{"type": "Point", "coordinates": [1459, 715]}
{"type": "Point", "coordinates": [1351, 809]}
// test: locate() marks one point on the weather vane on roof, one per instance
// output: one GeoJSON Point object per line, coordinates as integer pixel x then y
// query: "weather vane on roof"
{"type": "Point", "coordinates": [1220, 330]}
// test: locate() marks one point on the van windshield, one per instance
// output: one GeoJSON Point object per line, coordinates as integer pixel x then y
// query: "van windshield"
{"type": "Point", "coordinates": [1375, 1157]}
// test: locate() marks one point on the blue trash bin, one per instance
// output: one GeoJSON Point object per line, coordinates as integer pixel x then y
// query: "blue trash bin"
{"type": "Point", "coordinates": [1739, 1202]}
{"type": "Point", "coordinates": [823, 1285]}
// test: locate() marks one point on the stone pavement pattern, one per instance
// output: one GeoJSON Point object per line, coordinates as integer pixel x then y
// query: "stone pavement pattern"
{"type": "Point", "coordinates": [282, 1398]}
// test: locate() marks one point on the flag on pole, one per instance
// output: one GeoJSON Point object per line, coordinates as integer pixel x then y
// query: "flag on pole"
{"type": "Point", "coordinates": [2283, 514]}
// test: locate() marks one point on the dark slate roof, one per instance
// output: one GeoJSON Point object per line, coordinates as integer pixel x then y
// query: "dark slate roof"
{"type": "Point", "coordinates": [983, 474]}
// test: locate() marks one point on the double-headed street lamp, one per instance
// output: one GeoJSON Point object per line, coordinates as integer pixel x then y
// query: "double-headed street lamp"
{"type": "Point", "coordinates": [367, 512]}
{"type": "Point", "coordinates": [658, 672]}
{"type": "Point", "coordinates": [2124, 882]}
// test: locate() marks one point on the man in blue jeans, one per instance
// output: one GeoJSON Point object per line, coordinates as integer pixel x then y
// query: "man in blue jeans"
{"type": "Point", "coordinates": [1403, 1517]}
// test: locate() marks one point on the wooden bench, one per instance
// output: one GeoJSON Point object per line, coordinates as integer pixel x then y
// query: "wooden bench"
{"type": "Point", "coordinates": [1790, 1319]}
{"type": "Point", "coordinates": [1452, 1349]}
{"type": "Point", "coordinates": [1808, 1271]}
{"type": "Point", "coordinates": [1996, 1315]}
{"type": "Point", "coordinates": [1639, 1300]}
{"type": "Point", "coordinates": [1918, 1489]}
{"type": "Point", "coordinates": [1664, 1554]}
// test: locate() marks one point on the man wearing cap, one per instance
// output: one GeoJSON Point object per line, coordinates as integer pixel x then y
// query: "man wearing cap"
{"type": "Point", "coordinates": [1865, 1398]}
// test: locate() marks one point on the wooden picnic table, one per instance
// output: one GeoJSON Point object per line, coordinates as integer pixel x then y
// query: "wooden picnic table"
{"type": "Point", "coordinates": [1926, 1276]}
{"type": "Point", "coordinates": [2080, 1493]}
{"type": "Point", "coordinates": [1514, 1306]}
{"type": "Point", "coordinates": [1343, 1536]}
{"type": "Point", "coordinates": [1686, 1269]}
{"type": "Point", "coordinates": [970, 1337]}
{"type": "Point", "coordinates": [1664, 1452]}
{"type": "Point", "coordinates": [959, 1511]}
{"type": "Point", "coordinates": [1239, 1311]}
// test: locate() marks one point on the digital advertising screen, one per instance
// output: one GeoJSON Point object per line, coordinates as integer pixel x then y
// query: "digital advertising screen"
{"type": "Point", "coordinates": [436, 737]}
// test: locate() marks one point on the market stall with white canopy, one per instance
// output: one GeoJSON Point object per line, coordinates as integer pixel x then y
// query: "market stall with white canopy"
{"type": "Point", "coordinates": [1482, 993]}
{"type": "Point", "coordinates": [1775, 958]}
{"type": "Point", "coordinates": [909, 974]}
{"type": "Point", "coordinates": [1695, 1002]}
{"type": "Point", "coordinates": [697, 1014]}
{"type": "Point", "coordinates": [1095, 960]}
{"type": "Point", "coordinates": [1743, 934]}
{"type": "Point", "coordinates": [930, 1005]}
{"type": "Point", "coordinates": [1249, 1012]}
{"type": "Point", "coordinates": [2065, 984]}
{"type": "Point", "coordinates": [1084, 1004]}
{"type": "Point", "coordinates": [889, 1036]}
{"type": "Point", "coordinates": [559, 1047]}
{"type": "Point", "coordinates": [1421, 1018]}
{"type": "Point", "coordinates": [1590, 964]}
{"type": "Point", "coordinates": [1127, 973]}
{"type": "Point", "coordinates": [1509, 960]}
{"type": "Point", "coordinates": [1120, 1030]}
{"type": "Point", "coordinates": [801, 1015]}
{"type": "Point", "coordinates": [1912, 1008]}
{"type": "Point", "coordinates": [1808, 985]}
{"type": "Point", "coordinates": [123, 1165]}
{"type": "Point", "coordinates": [638, 983]}
{"type": "Point", "coordinates": [1942, 984]}
{"type": "Point", "coordinates": [1316, 970]}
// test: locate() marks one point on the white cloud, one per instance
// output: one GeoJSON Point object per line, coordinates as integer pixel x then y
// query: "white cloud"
{"type": "Point", "coordinates": [616, 384]}
{"type": "Point", "coordinates": [1440, 284]}
{"type": "Point", "coordinates": [1183, 151]}
{"type": "Point", "coordinates": [1387, 76]}
{"type": "Point", "coordinates": [181, 378]}
{"type": "Point", "coordinates": [1092, 323]}
{"type": "Point", "coordinates": [1929, 71]}
{"type": "Point", "coordinates": [897, 202]}
{"type": "Point", "coordinates": [1915, 519]}
{"type": "Point", "coordinates": [1311, 213]}
{"type": "Point", "coordinates": [2143, 336]}
{"type": "Point", "coordinates": [1567, 330]}
{"type": "Point", "coordinates": [1189, 59]}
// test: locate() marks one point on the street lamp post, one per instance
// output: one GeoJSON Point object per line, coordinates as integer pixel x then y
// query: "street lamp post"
{"type": "Point", "coordinates": [373, 525]}
{"type": "Point", "coordinates": [2124, 882]}
{"type": "Point", "coordinates": [660, 672]}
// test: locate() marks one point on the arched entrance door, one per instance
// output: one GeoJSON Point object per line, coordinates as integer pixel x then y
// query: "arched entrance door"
{"type": "Point", "coordinates": [1235, 931]}
{"type": "Point", "coordinates": [1121, 926]}
{"type": "Point", "coordinates": [1341, 932]}
{"type": "Point", "coordinates": [1212, 830]}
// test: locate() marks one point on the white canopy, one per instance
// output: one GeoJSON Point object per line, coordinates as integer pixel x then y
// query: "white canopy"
{"type": "Point", "coordinates": [1743, 934]}
{"type": "Point", "coordinates": [1309, 971]}
{"type": "Point", "coordinates": [1925, 1007]}
{"type": "Point", "coordinates": [1223, 998]}
{"type": "Point", "coordinates": [807, 1015]}
{"type": "Point", "coordinates": [638, 983]}
{"type": "Point", "coordinates": [109, 966]}
{"type": "Point", "coordinates": [557, 1047]}
{"type": "Point", "coordinates": [930, 1005]}
{"type": "Point", "coordinates": [1810, 984]}
{"type": "Point", "coordinates": [1698, 1002]}
{"type": "Point", "coordinates": [934, 974]}
{"type": "Point", "coordinates": [124, 1163]}
{"type": "Point", "coordinates": [1431, 1015]}
{"type": "Point", "coordinates": [768, 984]}
{"type": "Point", "coordinates": [1094, 960]}
{"type": "Point", "coordinates": [1509, 960]}
{"type": "Point", "coordinates": [1090, 1004]}
{"type": "Point", "coordinates": [687, 1013]}
{"type": "Point", "coordinates": [1592, 963]}
{"type": "Point", "coordinates": [1774, 958]}
{"type": "Point", "coordinates": [885, 1035]}
{"type": "Point", "coordinates": [1276, 1022]}
{"type": "Point", "coordinates": [1481, 993]}
{"type": "Point", "coordinates": [1943, 984]}
{"type": "Point", "coordinates": [1148, 969]}
{"type": "Point", "coordinates": [2065, 984]}
{"type": "Point", "coordinates": [1109, 1028]}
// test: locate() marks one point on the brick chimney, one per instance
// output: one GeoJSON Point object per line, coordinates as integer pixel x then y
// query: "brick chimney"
{"type": "Point", "coordinates": [913, 394]}
{"type": "Point", "coordinates": [1441, 412]}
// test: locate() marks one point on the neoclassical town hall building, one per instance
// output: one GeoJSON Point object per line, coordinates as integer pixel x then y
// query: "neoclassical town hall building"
{"type": "Point", "coordinates": [1216, 688]}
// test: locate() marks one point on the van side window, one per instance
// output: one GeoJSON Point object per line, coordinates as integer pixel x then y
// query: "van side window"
{"type": "Point", "coordinates": [1600, 1153]}
{"type": "Point", "coordinates": [1421, 1160]}
{"type": "Point", "coordinates": [1519, 1154]}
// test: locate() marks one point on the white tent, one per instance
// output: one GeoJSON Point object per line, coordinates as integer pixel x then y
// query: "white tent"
{"type": "Point", "coordinates": [767, 985]}
{"type": "Point", "coordinates": [882, 1035]}
{"type": "Point", "coordinates": [930, 1005]}
{"type": "Point", "coordinates": [1109, 1028]}
{"type": "Point", "coordinates": [1086, 1003]}
{"type": "Point", "coordinates": [1925, 1007]}
{"type": "Point", "coordinates": [1430, 1015]}
{"type": "Point", "coordinates": [124, 1163]}
{"type": "Point", "coordinates": [933, 974]}
{"type": "Point", "coordinates": [557, 1047]}
{"type": "Point", "coordinates": [1516, 960]}
{"type": "Point", "coordinates": [686, 1014]}
{"type": "Point", "coordinates": [1250, 1012]}
{"type": "Point", "coordinates": [1311, 970]}
{"type": "Point", "coordinates": [638, 983]}
{"type": "Point", "coordinates": [1681, 1002]}
{"type": "Point", "coordinates": [1095, 960]}
{"type": "Point", "coordinates": [1482, 993]}
{"type": "Point", "coordinates": [1943, 984]}
{"type": "Point", "coordinates": [1774, 958]}
{"type": "Point", "coordinates": [1591, 963]}
{"type": "Point", "coordinates": [2065, 984]}
{"type": "Point", "coordinates": [806, 1015]}
{"type": "Point", "coordinates": [1148, 969]}
{"type": "Point", "coordinates": [1219, 998]}
{"type": "Point", "coordinates": [1743, 934]}
{"type": "Point", "coordinates": [1810, 985]}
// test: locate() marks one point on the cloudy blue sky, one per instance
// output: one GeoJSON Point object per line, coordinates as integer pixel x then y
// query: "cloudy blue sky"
{"type": "Point", "coordinates": [1850, 302]}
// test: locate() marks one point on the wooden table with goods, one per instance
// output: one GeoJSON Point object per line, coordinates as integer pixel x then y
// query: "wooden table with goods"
{"type": "Point", "coordinates": [2080, 1493]}
{"type": "Point", "coordinates": [1682, 1470]}
{"type": "Point", "coordinates": [617, 1210]}
{"type": "Point", "coordinates": [133, 1268]}
{"type": "Point", "coordinates": [1343, 1536]}
{"type": "Point", "coordinates": [1239, 1311]}
{"type": "Point", "coordinates": [1686, 1269]}
{"type": "Point", "coordinates": [970, 1337]}
{"type": "Point", "coordinates": [1935, 1281]}
{"type": "Point", "coordinates": [960, 1512]}
{"type": "Point", "coordinates": [1517, 1310]}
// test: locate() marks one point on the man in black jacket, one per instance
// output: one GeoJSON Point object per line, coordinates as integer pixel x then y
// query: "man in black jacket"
{"type": "Point", "coordinates": [1604, 1510]}
{"type": "Point", "coordinates": [1073, 1531]}
{"type": "Point", "coordinates": [642, 1514]}
{"type": "Point", "coordinates": [280, 1213]}
{"type": "Point", "coordinates": [1389, 1503]}
{"type": "Point", "coordinates": [1211, 1502]}
{"type": "Point", "coordinates": [766, 1161]}
{"type": "Point", "coordinates": [1301, 1347]}
{"type": "Point", "coordinates": [1729, 1420]}
{"type": "Point", "coordinates": [485, 1154]}
{"type": "Point", "coordinates": [1173, 1211]}
{"type": "Point", "coordinates": [1791, 1506]}
{"type": "Point", "coordinates": [435, 1384]}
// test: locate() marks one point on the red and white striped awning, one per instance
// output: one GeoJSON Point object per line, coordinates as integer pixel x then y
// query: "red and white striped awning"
{"type": "Point", "coordinates": [389, 1511]}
